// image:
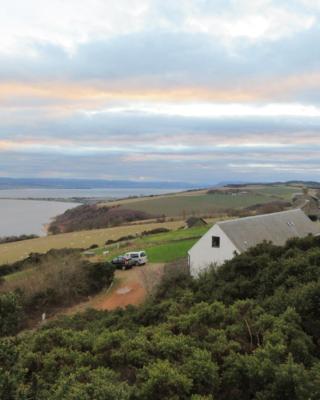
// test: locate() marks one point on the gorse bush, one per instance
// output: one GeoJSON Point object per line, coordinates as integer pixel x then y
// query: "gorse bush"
{"type": "Point", "coordinates": [248, 331]}
{"type": "Point", "coordinates": [53, 280]}
{"type": "Point", "coordinates": [11, 314]}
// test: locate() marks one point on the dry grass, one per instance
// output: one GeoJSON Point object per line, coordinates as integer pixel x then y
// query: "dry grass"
{"type": "Point", "coordinates": [52, 272]}
{"type": "Point", "coordinates": [12, 252]}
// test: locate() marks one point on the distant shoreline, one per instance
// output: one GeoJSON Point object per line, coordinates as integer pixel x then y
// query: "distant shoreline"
{"type": "Point", "coordinates": [88, 196]}
{"type": "Point", "coordinates": [57, 199]}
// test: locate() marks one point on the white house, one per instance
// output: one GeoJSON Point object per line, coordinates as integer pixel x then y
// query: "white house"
{"type": "Point", "coordinates": [226, 238]}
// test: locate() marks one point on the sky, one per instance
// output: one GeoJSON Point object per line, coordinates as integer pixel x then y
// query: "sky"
{"type": "Point", "coordinates": [200, 91]}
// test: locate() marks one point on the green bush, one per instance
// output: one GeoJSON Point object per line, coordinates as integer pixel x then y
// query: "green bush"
{"type": "Point", "coordinates": [11, 314]}
{"type": "Point", "coordinates": [54, 280]}
{"type": "Point", "coordinates": [99, 275]}
{"type": "Point", "coordinates": [247, 331]}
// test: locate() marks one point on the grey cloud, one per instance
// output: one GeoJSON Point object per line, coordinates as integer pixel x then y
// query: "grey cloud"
{"type": "Point", "coordinates": [209, 171]}
{"type": "Point", "coordinates": [79, 126]}
{"type": "Point", "coordinates": [165, 59]}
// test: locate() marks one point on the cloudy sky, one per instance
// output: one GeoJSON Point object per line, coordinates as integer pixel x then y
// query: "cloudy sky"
{"type": "Point", "coordinates": [178, 90]}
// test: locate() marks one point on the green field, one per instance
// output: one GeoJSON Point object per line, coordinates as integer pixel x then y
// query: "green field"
{"type": "Point", "coordinates": [186, 204]}
{"type": "Point", "coordinates": [170, 252]}
{"type": "Point", "coordinates": [283, 192]}
{"type": "Point", "coordinates": [11, 252]}
{"type": "Point", "coordinates": [163, 247]}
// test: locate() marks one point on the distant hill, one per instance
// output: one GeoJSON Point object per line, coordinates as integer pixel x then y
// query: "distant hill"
{"type": "Point", "coordinates": [60, 183]}
{"type": "Point", "coordinates": [313, 184]}
{"type": "Point", "coordinates": [57, 183]}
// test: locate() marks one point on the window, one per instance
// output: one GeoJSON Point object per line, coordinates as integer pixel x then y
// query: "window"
{"type": "Point", "coordinates": [215, 241]}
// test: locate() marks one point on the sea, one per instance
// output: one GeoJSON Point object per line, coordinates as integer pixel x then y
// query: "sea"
{"type": "Point", "coordinates": [28, 211]}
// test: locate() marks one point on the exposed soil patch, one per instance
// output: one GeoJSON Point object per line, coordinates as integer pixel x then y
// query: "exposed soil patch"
{"type": "Point", "coordinates": [124, 290]}
{"type": "Point", "coordinates": [130, 287]}
{"type": "Point", "coordinates": [122, 297]}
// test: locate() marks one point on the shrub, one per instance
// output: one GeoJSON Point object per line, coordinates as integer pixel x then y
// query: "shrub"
{"type": "Point", "coordinates": [247, 330]}
{"type": "Point", "coordinates": [155, 231]}
{"type": "Point", "coordinates": [58, 279]}
{"type": "Point", "coordinates": [11, 314]}
{"type": "Point", "coordinates": [99, 275]}
{"type": "Point", "coordinates": [10, 239]}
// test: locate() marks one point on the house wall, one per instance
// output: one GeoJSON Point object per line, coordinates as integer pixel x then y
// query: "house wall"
{"type": "Point", "coordinates": [202, 254]}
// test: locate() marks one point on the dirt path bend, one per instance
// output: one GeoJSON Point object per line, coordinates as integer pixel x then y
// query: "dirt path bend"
{"type": "Point", "coordinates": [129, 287]}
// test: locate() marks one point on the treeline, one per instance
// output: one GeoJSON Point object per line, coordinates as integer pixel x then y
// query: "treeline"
{"type": "Point", "coordinates": [247, 331]}
{"type": "Point", "coordinates": [86, 217]}
{"type": "Point", "coordinates": [10, 239]}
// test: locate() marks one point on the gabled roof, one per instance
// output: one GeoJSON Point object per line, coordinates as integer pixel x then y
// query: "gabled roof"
{"type": "Point", "coordinates": [276, 227]}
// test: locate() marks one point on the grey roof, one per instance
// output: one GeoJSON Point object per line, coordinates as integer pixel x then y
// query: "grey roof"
{"type": "Point", "coordinates": [276, 227]}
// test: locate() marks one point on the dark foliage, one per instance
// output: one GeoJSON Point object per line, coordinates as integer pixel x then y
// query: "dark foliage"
{"type": "Point", "coordinates": [86, 217]}
{"type": "Point", "coordinates": [155, 231]}
{"type": "Point", "coordinates": [54, 280]}
{"type": "Point", "coordinates": [121, 239]}
{"type": "Point", "coordinates": [33, 259]}
{"type": "Point", "coordinates": [10, 239]}
{"type": "Point", "coordinates": [271, 207]}
{"type": "Point", "coordinates": [248, 331]}
{"type": "Point", "coordinates": [93, 246]}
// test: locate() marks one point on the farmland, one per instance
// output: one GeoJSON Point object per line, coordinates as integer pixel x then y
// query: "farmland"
{"type": "Point", "coordinates": [224, 200]}
{"type": "Point", "coordinates": [178, 205]}
{"type": "Point", "coordinates": [12, 252]}
{"type": "Point", "coordinates": [18, 250]}
{"type": "Point", "coordinates": [162, 247]}
{"type": "Point", "coordinates": [202, 203]}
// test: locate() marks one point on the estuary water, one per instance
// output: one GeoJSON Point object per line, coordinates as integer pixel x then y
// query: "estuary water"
{"type": "Point", "coordinates": [81, 193]}
{"type": "Point", "coordinates": [18, 217]}
{"type": "Point", "coordinates": [21, 212]}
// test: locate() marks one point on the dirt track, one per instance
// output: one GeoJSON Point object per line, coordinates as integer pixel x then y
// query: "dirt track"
{"type": "Point", "coordinates": [130, 287]}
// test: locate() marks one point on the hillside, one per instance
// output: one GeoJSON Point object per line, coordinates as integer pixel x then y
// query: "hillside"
{"type": "Point", "coordinates": [212, 202]}
{"type": "Point", "coordinates": [10, 252]}
{"type": "Point", "coordinates": [87, 217]}
{"type": "Point", "coordinates": [59, 279]}
{"type": "Point", "coordinates": [248, 331]}
{"type": "Point", "coordinates": [47, 283]}
{"type": "Point", "coordinates": [230, 200]}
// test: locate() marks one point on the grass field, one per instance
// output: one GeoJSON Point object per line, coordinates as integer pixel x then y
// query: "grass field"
{"type": "Point", "coordinates": [11, 252]}
{"type": "Point", "coordinates": [161, 248]}
{"type": "Point", "coordinates": [281, 191]}
{"type": "Point", "coordinates": [201, 203]}
{"type": "Point", "coordinates": [170, 251]}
